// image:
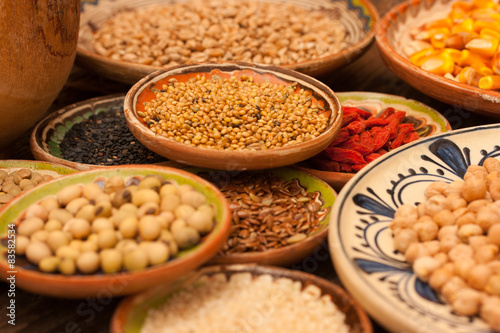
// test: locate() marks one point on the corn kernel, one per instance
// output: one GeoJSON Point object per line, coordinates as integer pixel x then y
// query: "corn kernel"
{"type": "Point", "coordinates": [483, 4]}
{"type": "Point", "coordinates": [465, 6]}
{"type": "Point", "coordinates": [490, 82]}
{"type": "Point", "coordinates": [466, 25]}
{"type": "Point", "coordinates": [428, 34]}
{"type": "Point", "coordinates": [479, 25]}
{"type": "Point", "coordinates": [442, 23]}
{"type": "Point", "coordinates": [468, 58]}
{"type": "Point", "coordinates": [455, 42]}
{"type": "Point", "coordinates": [482, 68]}
{"type": "Point", "coordinates": [438, 41]}
{"type": "Point", "coordinates": [469, 75]}
{"type": "Point", "coordinates": [495, 63]}
{"type": "Point", "coordinates": [483, 47]}
{"type": "Point", "coordinates": [419, 57]}
{"type": "Point", "coordinates": [438, 64]}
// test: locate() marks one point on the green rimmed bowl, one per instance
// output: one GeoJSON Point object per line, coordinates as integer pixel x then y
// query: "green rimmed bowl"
{"type": "Point", "coordinates": [359, 17]}
{"type": "Point", "coordinates": [427, 122]}
{"type": "Point", "coordinates": [95, 285]}
{"type": "Point", "coordinates": [131, 313]}
{"type": "Point", "coordinates": [289, 254]}
{"type": "Point", "coordinates": [48, 134]}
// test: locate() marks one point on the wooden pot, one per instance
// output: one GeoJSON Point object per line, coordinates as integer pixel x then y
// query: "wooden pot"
{"type": "Point", "coordinates": [37, 50]}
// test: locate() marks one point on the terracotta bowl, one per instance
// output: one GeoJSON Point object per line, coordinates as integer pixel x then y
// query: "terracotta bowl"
{"type": "Point", "coordinates": [37, 50]}
{"type": "Point", "coordinates": [393, 34]}
{"type": "Point", "coordinates": [29, 278]}
{"type": "Point", "coordinates": [427, 122]}
{"type": "Point", "coordinates": [47, 135]}
{"type": "Point", "coordinates": [359, 17]}
{"type": "Point", "coordinates": [249, 159]}
{"type": "Point", "coordinates": [289, 254]}
{"type": "Point", "coordinates": [131, 312]}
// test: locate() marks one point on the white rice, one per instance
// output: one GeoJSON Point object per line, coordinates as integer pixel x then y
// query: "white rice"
{"type": "Point", "coordinates": [246, 304]}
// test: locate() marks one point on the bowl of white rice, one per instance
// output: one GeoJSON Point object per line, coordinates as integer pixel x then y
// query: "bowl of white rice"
{"type": "Point", "coordinates": [252, 298]}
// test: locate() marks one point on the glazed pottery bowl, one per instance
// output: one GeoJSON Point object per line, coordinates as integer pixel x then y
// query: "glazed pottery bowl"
{"type": "Point", "coordinates": [281, 256]}
{"type": "Point", "coordinates": [426, 120]}
{"type": "Point", "coordinates": [37, 50]}
{"type": "Point", "coordinates": [225, 159]}
{"type": "Point", "coordinates": [393, 34]}
{"type": "Point", "coordinates": [49, 133]}
{"type": "Point", "coordinates": [30, 278]}
{"type": "Point", "coordinates": [359, 17]}
{"type": "Point", "coordinates": [361, 240]}
{"type": "Point", "coordinates": [131, 313]}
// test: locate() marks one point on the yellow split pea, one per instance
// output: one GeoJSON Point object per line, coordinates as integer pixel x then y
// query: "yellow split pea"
{"type": "Point", "coordinates": [234, 113]}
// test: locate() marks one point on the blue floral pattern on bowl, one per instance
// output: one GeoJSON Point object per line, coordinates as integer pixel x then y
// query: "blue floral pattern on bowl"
{"type": "Point", "coordinates": [361, 241]}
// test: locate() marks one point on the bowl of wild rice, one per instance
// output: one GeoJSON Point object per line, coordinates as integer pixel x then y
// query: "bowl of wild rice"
{"type": "Point", "coordinates": [253, 298]}
{"type": "Point", "coordinates": [129, 39]}
{"type": "Point", "coordinates": [89, 134]}
{"type": "Point", "coordinates": [232, 116]}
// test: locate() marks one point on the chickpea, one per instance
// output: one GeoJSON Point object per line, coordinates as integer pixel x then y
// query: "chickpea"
{"type": "Point", "coordinates": [404, 238]}
{"type": "Point", "coordinates": [36, 251]}
{"type": "Point", "coordinates": [467, 230]}
{"type": "Point", "coordinates": [444, 217]}
{"type": "Point", "coordinates": [426, 228]}
{"type": "Point", "coordinates": [455, 201]}
{"type": "Point", "coordinates": [486, 217]}
{"type": "Point", "coordinates": [454, 188]}
{"type": "Point", "coordinates": [460, 252]}
{"type": "Point", "coordinates": [478, 277]}
{"type": "Point", "coordinates": [439, 277]}
{"type": "Point", "coordinates": [452, 288]}
{"type": "Point", "coordinates": [467, 302]}
{"type": "Point", "coordinates": [494, 189]}
{"type": "Point", "coordinates": [88, 262]}
{"type": "Point", "coordinates": [435, 204]}
{"type": "Point", "coordinates": [462, 267]}
{"type": "Point", "coordinates": [29, 226]}
{"type": "Point", "coordinates": [474, 188]}
{"type": "Point", "coordinates": [491, 164]}
{"type": "Point", "coordinates": [435, 188]}
{"type": "Point", "coordinates": [490, 312]}
{"type": "Point", "coordinates": [477, 241]}
{"type": "Point", "coordinates": [494, 234]}
{"type": "Point", "coordinates": [424, 266]}
{"type": "Point", "coordinates": [447, 230]}
{"type": "Point", "coordinates": [486, 253]}
{"type": "Point", "coordinates": [467, 218]}
{"type": "Point", "coordinates": [448, 242]}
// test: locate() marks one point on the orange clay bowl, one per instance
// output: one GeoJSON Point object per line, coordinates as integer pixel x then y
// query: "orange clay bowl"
{"type": "Point", "coordinates": [223, 159]}
{"type": "Point", "coordinates": [131, 313]}
{"type": "Point", "coordinates": [393, 34]}
{"type": "Point", "coordinates": [359, 17]}
{"type": "Point", "coordinates": [29, 278]}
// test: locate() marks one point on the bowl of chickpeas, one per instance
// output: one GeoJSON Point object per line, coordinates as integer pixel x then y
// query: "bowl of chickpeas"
{"type": "Point", "coordinates": [446, 49]}
{"type": "Point", "coordinates": [129, 39]}
{"type": "Point", "coordinates": [415, 237]}
{"type": "Point", "coordinates": [232, 116]}
{"type": "Point", "coordinates": [117, 230]}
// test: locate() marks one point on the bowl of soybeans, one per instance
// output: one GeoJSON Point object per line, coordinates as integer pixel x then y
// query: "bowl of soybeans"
{"type": "Point", "coordinates": [129, 39]}
{"type": "Point", "coordinates": [117, 230]}
{"type": "Point", "coordinates": [232, 116]}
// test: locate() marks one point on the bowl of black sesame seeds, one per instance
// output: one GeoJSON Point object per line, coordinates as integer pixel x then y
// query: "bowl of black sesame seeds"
{"type": "Point", "coordinates": [89, 134]}
{"type": "Point", "coordinates": [233, 115]}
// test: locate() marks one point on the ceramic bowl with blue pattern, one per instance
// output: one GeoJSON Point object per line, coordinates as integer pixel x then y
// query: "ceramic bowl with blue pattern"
{"type": "Point", "coordinates": [361, 242]}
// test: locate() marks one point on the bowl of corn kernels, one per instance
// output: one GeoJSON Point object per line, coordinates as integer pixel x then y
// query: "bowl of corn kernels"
{"type": "Point", "coordinates": [116, 230]}
{"type": "Point", "coordinates": [232, 116]}
{"type": "Point", "coordinates": [447, 49]}
{"type": "Point", "coordinates": [129, 39]}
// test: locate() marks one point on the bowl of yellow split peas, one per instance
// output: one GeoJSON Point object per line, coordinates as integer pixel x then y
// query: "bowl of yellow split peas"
{"type": "Point", "coordinates": [114, 230]}
{"type": "Point", "coordinates": [448, 50]}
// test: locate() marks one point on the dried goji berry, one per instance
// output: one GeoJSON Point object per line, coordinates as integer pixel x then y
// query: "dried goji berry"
{"type": "Point", "coordinates": [344, 155]}
{"type": "Point", "coordinates": [356, 127]}
{"type": "Point", "coordinates": [370, 157]}
{"type": "Point", "coordinates": [357, 167]}
{"type": "Point", "coordinates": [342, 136]}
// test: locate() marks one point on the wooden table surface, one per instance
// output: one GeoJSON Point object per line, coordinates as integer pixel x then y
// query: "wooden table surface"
{"type": "Point", "coordinates": [41, 314]}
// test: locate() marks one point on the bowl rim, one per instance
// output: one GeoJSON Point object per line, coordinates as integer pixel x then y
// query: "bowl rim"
{"type": "Point", "coordinates": [213, 242]}
{"type": "Point", "coordinates": [390, 54]}
{"type": "Point", "coordinates": [136, 126]}
{"type": "Point", "coordinates": [124, 308]}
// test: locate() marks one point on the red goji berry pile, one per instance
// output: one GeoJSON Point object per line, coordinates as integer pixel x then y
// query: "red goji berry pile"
{"type": "Point", "coordinates": [363, 137]}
